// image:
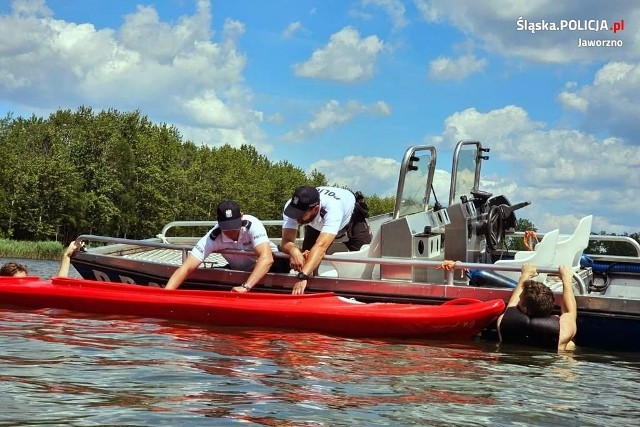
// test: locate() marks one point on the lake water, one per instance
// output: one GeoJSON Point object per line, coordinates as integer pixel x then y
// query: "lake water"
{"type": "Point", "coordinates": [62, 368]}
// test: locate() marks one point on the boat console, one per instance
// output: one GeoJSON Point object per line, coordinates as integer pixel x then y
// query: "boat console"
{"type": "Point", "coordinates": [415, 236]}
{"type": "Point", "coordinates": [415, 230]}
{"type": "Point", "coordinates": [473, 225]}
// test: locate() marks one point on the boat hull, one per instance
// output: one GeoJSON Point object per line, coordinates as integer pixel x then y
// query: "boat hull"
{"type": "Point", "coordinates": [322, 312]}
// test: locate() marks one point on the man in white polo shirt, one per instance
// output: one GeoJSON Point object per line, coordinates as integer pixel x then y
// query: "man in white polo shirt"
{"type": "Point", "coordinates": [327, 212]}
{"type": "Point", "coordinates": [234, 231]}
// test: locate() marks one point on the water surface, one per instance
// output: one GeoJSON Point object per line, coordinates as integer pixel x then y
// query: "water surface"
{"type": "Point", "coordinates": [62, 368]}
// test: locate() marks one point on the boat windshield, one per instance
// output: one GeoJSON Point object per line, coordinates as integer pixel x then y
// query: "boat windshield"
{"type": "Point", "coordinates": [415, 181]}
{"type": "Point", "coordinates": [466, 170]}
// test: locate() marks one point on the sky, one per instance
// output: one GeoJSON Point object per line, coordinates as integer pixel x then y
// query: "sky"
{"type": "Point", "coordinates": [345, 87]}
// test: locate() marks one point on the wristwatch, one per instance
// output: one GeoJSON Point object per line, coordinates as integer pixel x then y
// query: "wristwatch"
{"type": "Point", "coordinates": [302, 276]}
{"type": "Point", "coordinates": [244, 285]}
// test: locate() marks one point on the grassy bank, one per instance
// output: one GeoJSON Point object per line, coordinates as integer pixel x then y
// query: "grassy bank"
{"type": "Point", "coordinates": [30, 250]}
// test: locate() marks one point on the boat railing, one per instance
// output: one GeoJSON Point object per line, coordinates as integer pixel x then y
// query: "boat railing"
{"type": "Point", "coordinates": [600, 238]}
{"type": "Point", "coordinates": [417, 263]}
{"type": "Point", "coordinates": [452, 268]}
{"type": "Point", "coordinates": [211, 224]}
{"type": "Point", "coordinates": [382, 218]}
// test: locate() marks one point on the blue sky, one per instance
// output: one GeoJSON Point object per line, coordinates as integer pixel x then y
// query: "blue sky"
{"type": "Point", "coordinates": [346, 86]}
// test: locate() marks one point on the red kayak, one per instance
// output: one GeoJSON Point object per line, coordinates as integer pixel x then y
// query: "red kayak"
{"type": "Point", "coordinates": [325, 312]}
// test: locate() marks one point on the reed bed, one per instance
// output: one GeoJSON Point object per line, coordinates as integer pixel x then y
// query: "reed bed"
{"type": "Point", "coordinates": [30, 250]}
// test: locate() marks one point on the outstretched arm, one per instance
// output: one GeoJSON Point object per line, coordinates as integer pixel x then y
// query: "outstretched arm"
{"type": "Point", "coordinates": [178, 276]}
{"type": "Point", "coordinates": [569, 316]}
{"type": "Point", "coordinates": [527, 272]}
{"type": "Point", "coordinates": [65, 262]}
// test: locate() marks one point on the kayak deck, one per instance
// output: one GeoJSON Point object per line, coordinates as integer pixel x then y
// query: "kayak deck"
{"type": "Point", "coordinates": [323, 312]}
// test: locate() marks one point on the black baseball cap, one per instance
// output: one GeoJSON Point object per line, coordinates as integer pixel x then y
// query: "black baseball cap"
{"type": "Point", "coordinates": [303, 199]}
{"type": "Point", "coordinates": [229, 215]}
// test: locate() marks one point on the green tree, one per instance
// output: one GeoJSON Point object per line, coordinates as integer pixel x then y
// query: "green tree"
{"type": "Point", "coordinates": [380, 205]}
{"type": "Point", "coordinates": [618, 248]}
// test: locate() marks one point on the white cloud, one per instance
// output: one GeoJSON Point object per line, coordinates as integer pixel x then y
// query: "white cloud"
{"type": "Point", "coordinates": [610, 102]}
{"type": "Point", "coordinates": [334, 114]}
{"type": "Point", "coordinates": [31, 8]}
{"type": "Point", "coordinates": [393, 8]}
{"type": "Point", "coordinates": [574, 101]}
{"type": "Point", "coordinates": [456, 68]}
{"type": "Point", "coordinates": [367, 174]}
{"type": "Point", "coordinates": [175, 70]}
{"type": "Point", "coordinates": [347, 58]}
{"type": "Point", "coordinates": [495, 25]}
{"type": "Point", "coordinates": [497, 125]}
{"type": "Point", "coordinates": [291, 29]}
{"type": "Point", "coordinates": [209, 110]}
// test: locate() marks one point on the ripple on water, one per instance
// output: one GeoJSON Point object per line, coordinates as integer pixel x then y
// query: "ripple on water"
{"type": "Point", "coordinates": [73, 369]}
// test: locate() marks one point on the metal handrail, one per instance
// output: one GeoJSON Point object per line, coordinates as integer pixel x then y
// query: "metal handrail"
{"type": "Point", "coordinates": [205, 224]}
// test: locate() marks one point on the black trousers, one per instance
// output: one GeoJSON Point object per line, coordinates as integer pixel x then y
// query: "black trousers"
{"type": "Point", "coordinates": [358, 234]}
{"type": "Point", "coordinates": [280, 265]}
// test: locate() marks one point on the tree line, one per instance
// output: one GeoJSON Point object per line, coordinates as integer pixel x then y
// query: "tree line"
{"type": "Point", "coordinates": [118, 174]}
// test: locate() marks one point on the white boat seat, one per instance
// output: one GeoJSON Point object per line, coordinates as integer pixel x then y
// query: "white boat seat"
{"type": "Point", "coordinates": [569, 249]}
{"type": "Point", "coordinates": [543, 255]}
{"type": "Point", "coordinates": [355, 270]}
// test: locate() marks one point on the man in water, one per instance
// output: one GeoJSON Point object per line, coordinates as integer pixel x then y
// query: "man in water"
{"type": "Point", "coordinates": [14, 269]}
{"type": "Point", "coordinates": [528, 318]}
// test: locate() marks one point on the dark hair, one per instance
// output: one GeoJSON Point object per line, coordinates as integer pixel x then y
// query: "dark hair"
{"type": "Point", "coordinates": [11, 268]}
{"type": "Point", "coordinates": [537, 299]}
